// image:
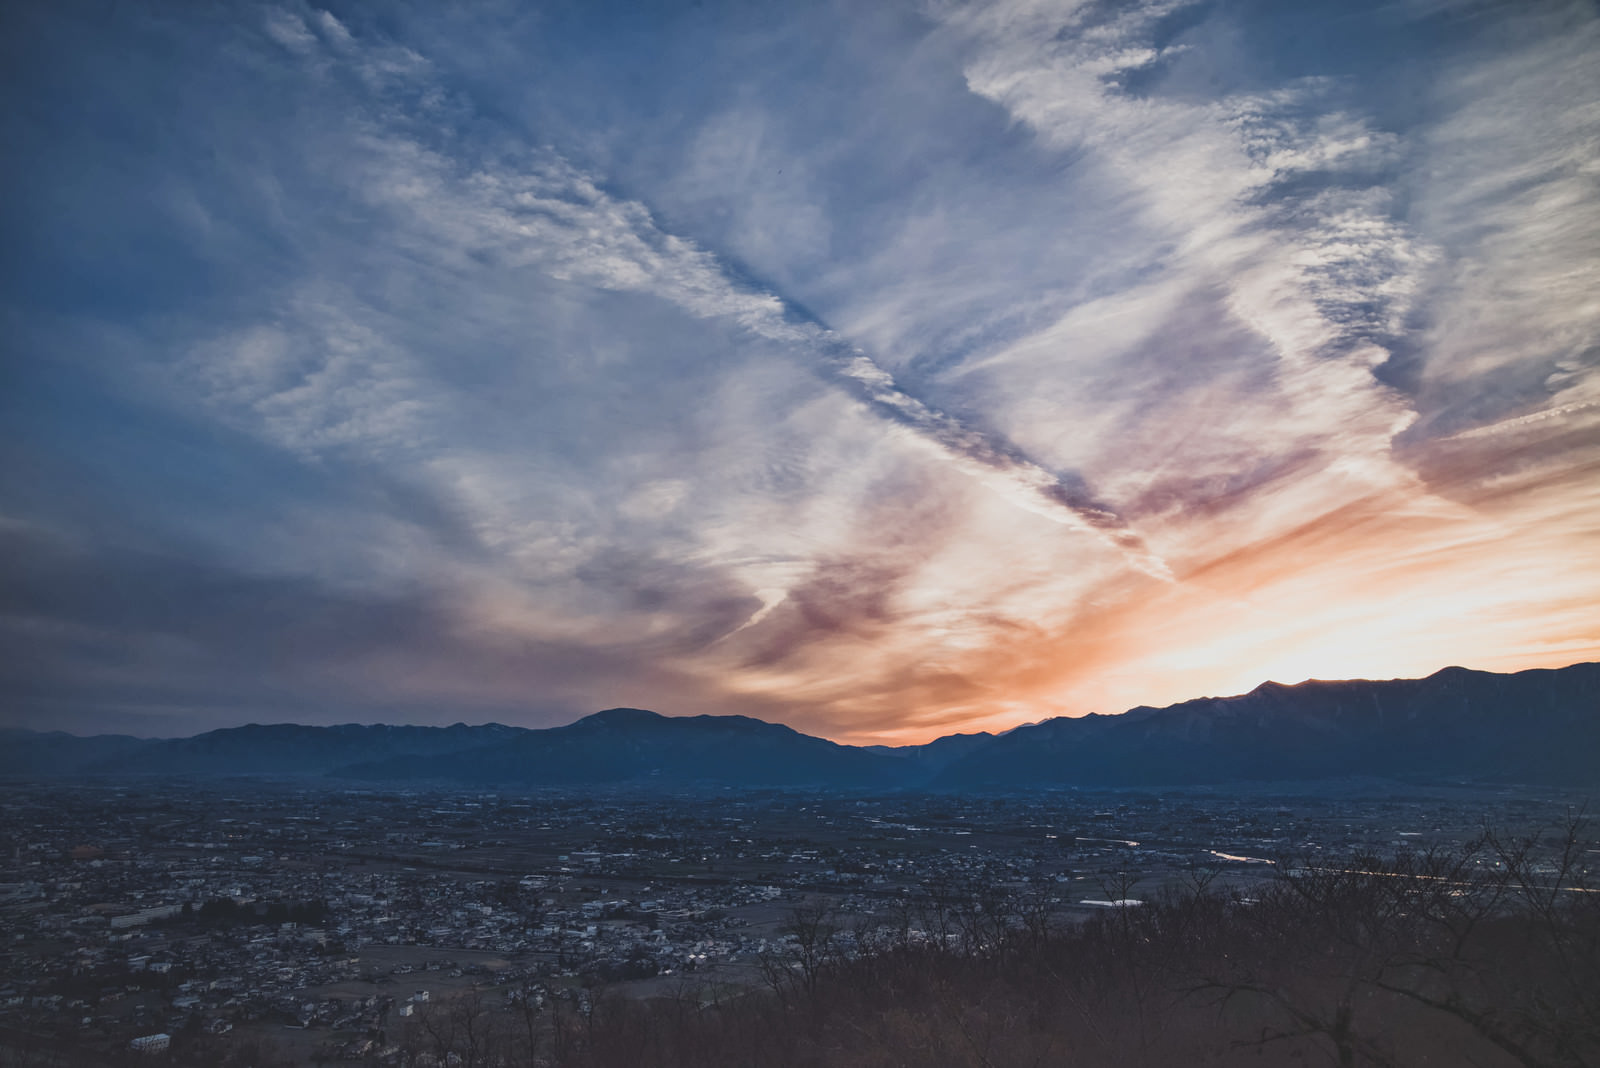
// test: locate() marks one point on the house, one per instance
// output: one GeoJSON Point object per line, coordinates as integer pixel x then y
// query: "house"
{"type": "Point", "coordinates": [158, 1043]}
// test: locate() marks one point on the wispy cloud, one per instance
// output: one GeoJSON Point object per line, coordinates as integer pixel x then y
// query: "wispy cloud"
{"type": "Point", "coordinates": [1275, 198]}
{"type": "Point", "coordinates": [537, 210]}
{"type": "Point", "coordinates": [886, 370]}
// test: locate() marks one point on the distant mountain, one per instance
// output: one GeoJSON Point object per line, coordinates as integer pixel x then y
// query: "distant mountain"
{"type": "Point", "coordinates": [632, 745]}
{"type": "Point", "coordinates": [25, 752]}
{"type": "Point", "coordinates": [1533, 727]}
{"type": "Point", "coordinates": [255, 749]}
{"type": "Point", "coordinates": [1530, 727]}
{"type": "Point", "coordinates": [935, 756]}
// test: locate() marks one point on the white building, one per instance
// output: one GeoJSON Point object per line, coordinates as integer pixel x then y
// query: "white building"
{"type": "Point", "coordinates": [151, 1043]}
{"type": "Point", "coordinates": [144, 916]}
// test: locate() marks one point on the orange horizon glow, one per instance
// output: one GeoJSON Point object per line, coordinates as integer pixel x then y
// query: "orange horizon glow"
{"type": "Point", "coordinates": [1387, 586]}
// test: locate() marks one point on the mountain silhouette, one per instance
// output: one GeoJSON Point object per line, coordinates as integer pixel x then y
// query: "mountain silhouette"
{"type": "Point", "coordinates": [1540, 726]}
{"type": "Point", "coordinates": [633, 745]}
{"type": "Point", "coordinates": [1534, 726]}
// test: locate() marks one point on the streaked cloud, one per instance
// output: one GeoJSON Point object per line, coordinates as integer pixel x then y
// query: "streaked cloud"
{"type": "Point", "coordinates": [886, 372]}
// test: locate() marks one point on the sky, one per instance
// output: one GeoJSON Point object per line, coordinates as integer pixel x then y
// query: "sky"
{"type": "Point", "coordinates": [887, 370]}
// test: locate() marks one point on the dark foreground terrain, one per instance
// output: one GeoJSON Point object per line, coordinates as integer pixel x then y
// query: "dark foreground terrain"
{"type": "Point", "coordinates": [258, 922]}
{"type": "Point", "coordinates": [1421, 960]}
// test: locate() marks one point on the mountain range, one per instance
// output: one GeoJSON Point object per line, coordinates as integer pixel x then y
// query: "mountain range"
{"type": "Point", "coordinates": [1540, 727]}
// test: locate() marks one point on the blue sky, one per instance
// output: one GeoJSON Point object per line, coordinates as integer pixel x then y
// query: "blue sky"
{"type": "Point", "coordinates": [883, 369]}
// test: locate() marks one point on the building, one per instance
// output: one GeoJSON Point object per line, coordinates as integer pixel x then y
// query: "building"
{"type": "Point", "coordinates": [144, 916]}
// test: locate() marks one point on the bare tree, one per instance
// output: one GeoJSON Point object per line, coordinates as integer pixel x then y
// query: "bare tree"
{"type": "Point", "coordinates": [1501, 937]}
{"type": "Point", "coordinates": [459, 1031]}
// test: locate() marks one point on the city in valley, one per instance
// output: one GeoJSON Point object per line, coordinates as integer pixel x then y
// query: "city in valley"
{"type": "Point", "coordinates": [208, 914]}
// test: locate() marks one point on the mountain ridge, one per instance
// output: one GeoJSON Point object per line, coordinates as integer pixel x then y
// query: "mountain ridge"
{"type": "Point", "coordinates": [1536, 726]}
{"type": "Point", "coordinates": [1541, 725]}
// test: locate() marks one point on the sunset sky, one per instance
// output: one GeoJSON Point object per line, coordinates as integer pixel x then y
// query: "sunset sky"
{"type": "Point", "coordinates": [884, 369]}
